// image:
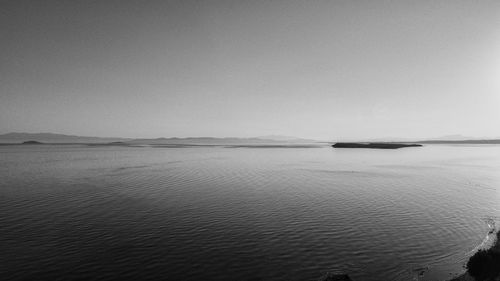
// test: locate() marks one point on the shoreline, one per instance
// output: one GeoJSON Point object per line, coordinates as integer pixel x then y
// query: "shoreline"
{"type": "Point", "coordinates": [466, 276]}
{"type": "Point", "coordinates": [374, 145]}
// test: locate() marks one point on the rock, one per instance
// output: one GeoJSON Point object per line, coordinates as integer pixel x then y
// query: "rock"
{"type": "Point", "coordinates": [32, 142]}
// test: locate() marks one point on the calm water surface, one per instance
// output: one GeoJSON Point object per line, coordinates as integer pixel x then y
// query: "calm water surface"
{"type": "Point", "coordinates": [215, 213]}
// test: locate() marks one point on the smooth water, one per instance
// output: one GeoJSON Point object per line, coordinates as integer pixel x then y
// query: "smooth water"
{"type": "Point", "coordinates": [218, 213]}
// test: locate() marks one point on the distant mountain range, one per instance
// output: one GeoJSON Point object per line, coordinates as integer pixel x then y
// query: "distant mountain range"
{"type": "Point", "coordinates": [59, 138]}
{"type": "Point", "coordinates": [15, 138]}
{"type": "Point", "coordinates": [452, 138]}
{"type": "Point", "coordinates": [286, 138]}
{"type": "Point", "coordinates": [54, 138]}
{"type": "Point", "coordinates": [474, 141]}
{"type": "Point", "coordinates": [209, 141]}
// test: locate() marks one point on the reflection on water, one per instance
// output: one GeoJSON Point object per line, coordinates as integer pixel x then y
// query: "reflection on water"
{"type": "Point", "coordinates": [216, 213]}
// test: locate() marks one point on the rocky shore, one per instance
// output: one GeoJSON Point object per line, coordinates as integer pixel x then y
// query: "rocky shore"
{"type": "Point", "coordinates": [482, 266]}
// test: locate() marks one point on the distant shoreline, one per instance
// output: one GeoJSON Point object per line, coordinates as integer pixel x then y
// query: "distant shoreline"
{"type": "Point", "coordinates": [374, 145]}
{"type": "Point", "coordinates": [175, 145]}
{"type": "Point", "coordinates": [51, 138]}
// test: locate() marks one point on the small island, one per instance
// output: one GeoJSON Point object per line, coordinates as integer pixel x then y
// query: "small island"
{"type": "Point", "coordinates": [117, 143]}
{"type": "Point", "coordinates": [375, 145]}
{"type": "Point", "coordinates": [114, 143]}
{"type": "Point", "coordinates": [32, 142]}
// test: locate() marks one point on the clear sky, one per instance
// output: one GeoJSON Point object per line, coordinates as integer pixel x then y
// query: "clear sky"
{"type": "Point", "coordinates": [315, 69]}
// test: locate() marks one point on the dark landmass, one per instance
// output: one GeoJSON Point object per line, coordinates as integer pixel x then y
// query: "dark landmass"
{"type": "Point", "coordinates": [32, 142]}
{"type": "Point", "coordinates": [375, 145]}
{"type": "Point", "coordinates": [114, 143]}
{"type": "Point", "coordinates": [483, 265]}
{"type": "Point", "coordinates": [117, 143]}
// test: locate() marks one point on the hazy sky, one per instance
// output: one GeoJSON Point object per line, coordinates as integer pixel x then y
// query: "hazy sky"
{"type": "Point", "coordinates": [317, 69]}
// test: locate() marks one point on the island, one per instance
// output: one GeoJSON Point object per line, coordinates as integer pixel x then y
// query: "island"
{"type": "Point", "coordinates": [32, 142]}
{"type": "Point", "coordinates": [375, 145]}
{"type": "Point", "coordinates": [120, 143]}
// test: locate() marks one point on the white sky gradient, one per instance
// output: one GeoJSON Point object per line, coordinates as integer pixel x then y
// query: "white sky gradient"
{"type": "Point", "coordinates": [313, 69]}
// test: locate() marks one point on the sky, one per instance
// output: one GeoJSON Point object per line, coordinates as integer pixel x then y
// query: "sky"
{"type": "Point", "coordinates": [312, 69]}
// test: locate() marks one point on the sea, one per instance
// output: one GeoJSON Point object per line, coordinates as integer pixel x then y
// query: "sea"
{"type": "Point", "coordinates": [83, 212]}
